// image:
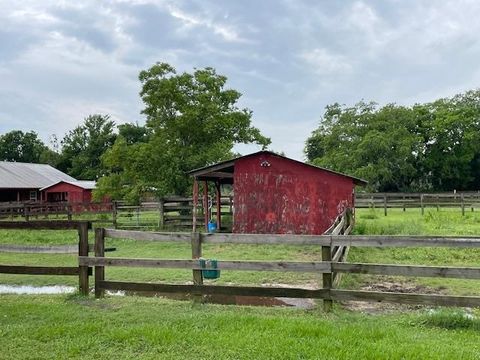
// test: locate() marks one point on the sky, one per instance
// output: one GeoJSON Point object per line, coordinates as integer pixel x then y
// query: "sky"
{"type": "Point", "coordinates": [61, 61]}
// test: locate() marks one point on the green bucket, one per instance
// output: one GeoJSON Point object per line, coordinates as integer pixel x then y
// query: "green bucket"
{"type": "Point", "coordinates": [209, 267]}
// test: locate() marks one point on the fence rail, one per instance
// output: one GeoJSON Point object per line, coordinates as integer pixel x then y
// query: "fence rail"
{"type": "Point", "coordinates": [334, 246]}
{"type": "Point", "coordinates": [385, 201]}
{"type": "Point", "coordinates": [82, 249]}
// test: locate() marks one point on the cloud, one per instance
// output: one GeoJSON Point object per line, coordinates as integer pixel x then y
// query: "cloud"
{"type": "Point", "coordinates": [324, 62]}
{"type": "Point", "coordinates": [61, 60]}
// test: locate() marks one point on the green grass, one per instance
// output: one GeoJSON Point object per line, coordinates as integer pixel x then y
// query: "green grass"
{"type": "Point", "coordinates": [70, 327]}
{"type": "Point", "coordinates": [445, 222]}
{"type": "Point", "coordinates": [411, 222]}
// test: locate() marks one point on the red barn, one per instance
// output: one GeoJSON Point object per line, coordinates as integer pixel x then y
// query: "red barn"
{"type": "Point", "coordinates": [68, 191]}
{"type": "Point", "coordinates": [273, 194]}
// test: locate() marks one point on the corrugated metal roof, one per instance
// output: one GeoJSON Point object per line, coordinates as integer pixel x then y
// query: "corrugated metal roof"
{"type": "Point", "coordinates": [84, 184]}
{"type": "Point", "coordinates": [16, 175]}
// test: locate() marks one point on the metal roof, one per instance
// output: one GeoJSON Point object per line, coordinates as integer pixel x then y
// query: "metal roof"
{"type": "Point", "coordinates": [84, 184]}
{"type": "Point", "coordinates": [229, 165]}
{"type": "Point", "coordinates": [16, 175]}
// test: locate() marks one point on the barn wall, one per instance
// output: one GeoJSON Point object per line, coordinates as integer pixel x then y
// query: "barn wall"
{"type": "Point", "coordinates": [287, 196]}
{"type": "Point", "coordinates": [75, 193]}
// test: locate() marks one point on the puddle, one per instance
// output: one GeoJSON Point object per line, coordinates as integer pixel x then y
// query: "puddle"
{"type": "Point", "coordinates": [36, 290]}
{"type": "Point", "coordinates": [212, 299]}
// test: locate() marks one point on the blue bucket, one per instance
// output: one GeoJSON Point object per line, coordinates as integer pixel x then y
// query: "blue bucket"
{"type": "Point", "coordinates": [212, 227]}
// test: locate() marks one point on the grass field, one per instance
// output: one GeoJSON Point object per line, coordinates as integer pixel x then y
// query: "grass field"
{"type": "Point", "coordinates": [368, 222]}
{"type": "Point", "coordinates": [69, 327]}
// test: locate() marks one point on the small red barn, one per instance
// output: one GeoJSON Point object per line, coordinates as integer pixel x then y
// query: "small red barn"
{"type": "Point", "coordinates": [68, 191]}
{"type": "Point", "coordinates": [273, 194]}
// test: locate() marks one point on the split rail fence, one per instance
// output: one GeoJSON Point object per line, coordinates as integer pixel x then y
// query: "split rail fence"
{"type": "Point", "coordinates": [462, 201]}
{"type": "Point", "coordinates": [334, 251]}
{"type": "Point", "coordinates": [82, 271]}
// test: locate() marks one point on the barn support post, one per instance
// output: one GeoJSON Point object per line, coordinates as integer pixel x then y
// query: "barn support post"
{"type": "Point", "coordinates": [327, 277]}
{"type": "Point", "coordinates": [205, 204]}
{"type": "Point", "coordinates": [219, 205]}
{"type": "Point", "coordinates": [99, 252]}
{"type": "Point", "coordinates": [195, 204]}
{"type": "Point", "coordinates": [83, 251]}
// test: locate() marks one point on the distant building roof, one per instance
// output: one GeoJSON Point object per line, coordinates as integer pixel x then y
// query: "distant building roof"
{"type": "Point", "coordinates": [84, 184]}
{"type": "Point", "coordinates": [16, 175]}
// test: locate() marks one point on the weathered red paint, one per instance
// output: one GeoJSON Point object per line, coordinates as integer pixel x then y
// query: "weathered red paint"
{"type": "Point", "coordinates": [275, 195]}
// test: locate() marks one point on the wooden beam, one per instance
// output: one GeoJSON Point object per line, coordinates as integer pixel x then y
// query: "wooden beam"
{"type": "Point", "coordinates": [402, 298]}
{"type": "Point", "coordinates": [217, 174]}
{"type": "Point", "coordinates": [194, 264]}
{"type": "Point", "coordinates": [195, 204]}
{"type": "Point", "coordinates": [206, 212]}
{"type": "Point", "coordinates": [219, 205]}
{"type": "Point", "coordinates": [148, 236]}
{"type": "Point", "coordinates": [408, 270]}
{"type": "Point", "coordinates": [45, 225]}
{"type": "Point", "coordinates": [40, 270]}
{"type": "Point", "coordinates": [215, 290]}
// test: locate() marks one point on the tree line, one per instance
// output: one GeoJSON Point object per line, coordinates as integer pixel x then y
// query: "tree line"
{"type": "Point", "coordinates": [433, 146]}
{"type": "Point", "coordinates": [193, 120]}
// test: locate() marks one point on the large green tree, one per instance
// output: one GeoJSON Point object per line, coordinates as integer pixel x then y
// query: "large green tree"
{"type": "Point", "coordinates": [83, 147]}
{"type": "Point", "coordinates": [26, 147]}
{"type": "Point", "coordinates": [432, 146]}
{"type": "Point", "coordinates": [193, 120]}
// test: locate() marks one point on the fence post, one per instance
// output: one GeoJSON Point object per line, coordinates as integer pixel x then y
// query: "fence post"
{"type": "Point", "coordinates": [114, 214]}
{"type": "Point", "coordinates": [161, 213]}
{"type": "Point", "coordinates": [99, 252]}
{"type": "Point", "coordinates": [385, 204]}
{"type": "Point", "coordinates": [83, 251]}
{"type": "Point", "coordinates": [196, 254]}
{"type": "Point", "coordinates": [327, 277]}
{"type": "Point", "coordinates": [25, 213]}
{"type": "Point", "coordinates": [463, 204]}
{"type": "Point", "coordinates": [421, 204]}
{"type": "Point", "coordinates": [69, 212]}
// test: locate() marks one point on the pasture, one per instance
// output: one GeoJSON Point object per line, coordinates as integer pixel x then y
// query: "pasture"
{"type": "Point", "coordinates": [70, 326]}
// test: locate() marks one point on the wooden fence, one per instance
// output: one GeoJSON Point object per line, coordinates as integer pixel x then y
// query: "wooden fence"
{"type": "Point", "coordinates": [169, 212]}
{"type": "Point", "coordinates": [332, 264]}
{"type": "Point", "coordinates": [82, 249]}
{"type": "Point", "coordinates": [462, 201]}
{"type": "Point", "coordinates": [47, 210]}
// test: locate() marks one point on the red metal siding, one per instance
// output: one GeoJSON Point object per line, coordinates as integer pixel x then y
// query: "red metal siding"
{"type": "Point", "coordinates": [283, 196]}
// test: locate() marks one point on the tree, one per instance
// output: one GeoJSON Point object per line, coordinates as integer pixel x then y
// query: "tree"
{"type": "Point", "coordinates": [379, 145]}
{"type": "Point", "coordinates": [24, 147]}
{"type": "Point", "coordinates": [83, 147]}
{"type": "Point", "coordinates": [452, 141]}
{"type": "Point", "coordinates": [433, 146]}
{"type": "Point", "coordinates": [133, 133]}
{"type": "Point", "coordinates": [192, 121]}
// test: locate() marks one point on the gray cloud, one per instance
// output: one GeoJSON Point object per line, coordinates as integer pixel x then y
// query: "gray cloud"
{"type": "Point", "coordinates": [61, 61]}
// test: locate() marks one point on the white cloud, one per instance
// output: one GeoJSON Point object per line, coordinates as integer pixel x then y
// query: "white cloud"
{"type": "Point", "coordinates": [191, 21]}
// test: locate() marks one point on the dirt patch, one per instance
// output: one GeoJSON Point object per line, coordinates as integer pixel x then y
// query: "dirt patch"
{"type": "Point", "coordinates": [375, 308]}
